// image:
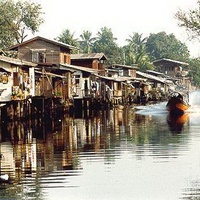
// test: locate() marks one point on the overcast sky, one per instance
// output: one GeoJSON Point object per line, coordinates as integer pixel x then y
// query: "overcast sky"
{"type": "Point", "coordinates": [123, 17]}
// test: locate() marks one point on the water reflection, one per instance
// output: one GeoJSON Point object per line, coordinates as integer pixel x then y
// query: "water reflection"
{"type": "Point", "coordinates": [123, 148]}
{"type": "Point", "coordinates": [177, 123]}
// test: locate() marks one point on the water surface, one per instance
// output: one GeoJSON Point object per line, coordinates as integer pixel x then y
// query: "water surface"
{"type": "Point", "coordinates": [136, 152]}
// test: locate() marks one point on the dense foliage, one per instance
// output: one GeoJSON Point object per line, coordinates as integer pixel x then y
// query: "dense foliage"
{"type": "Point", "coordinates": [161, 45]}
{"type": "Point", "coordinates": [138, 50]}
{"type": "Point", "coordinates": [106, 42]}
{"type": "Point", "coordinates": [194, 71]}
{"type": "Point", "coordinates": [17, 18]}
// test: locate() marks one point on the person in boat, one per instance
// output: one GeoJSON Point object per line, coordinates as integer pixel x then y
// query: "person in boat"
{"type": "Point", "coordinates": [177, 103]}
{"type": "Point", "coordinates": [180, 96]}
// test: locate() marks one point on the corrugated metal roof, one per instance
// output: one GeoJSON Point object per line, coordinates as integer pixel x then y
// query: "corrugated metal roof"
{"type": "Point", "coordinates": [149, 76]}
{"type": "Point", "coordinates": [155, 72]}
{"type": "Point", "coordinates": [90, 56]}
{"type": "Point", "coordinates": [77, 68]}
{"type": "Point", "coordinates": [50, 74]}
{"type": "Point", "coordinates": [17, 61]}
{"type": "Point", "coordinates": [170, 61]}
{"type": "Point", "coordinates": [162, 74]}
{"type": "Point", "coordinates": [123, 66]}
{"type": "Point", "coordinates": [119, 78]}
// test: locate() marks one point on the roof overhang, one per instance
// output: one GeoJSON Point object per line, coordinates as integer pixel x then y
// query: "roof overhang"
{"type": "Point", "coordinates": [77, 68]}
{"type": "Point", "coordinates": [17, 61]}
{"type": "Point", "coordinates": [151, 77]}
{"type": "Point", "coordinates": [165, 60]}
{"type": "Point", "coordinates": [60, 44]}
{"type": "Point", "coordinates": [120, 79]}
{"type": "Point", "coordinates": [50, 74]}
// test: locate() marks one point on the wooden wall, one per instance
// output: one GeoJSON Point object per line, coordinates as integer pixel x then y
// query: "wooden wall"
{"type": "Point", "coordinates": [52, 51]}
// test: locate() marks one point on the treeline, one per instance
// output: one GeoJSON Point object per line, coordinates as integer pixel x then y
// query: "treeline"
{"type": "Point", "coordinates": [138, 50]}
{"type": "Point", "coordinates": [20, 18]}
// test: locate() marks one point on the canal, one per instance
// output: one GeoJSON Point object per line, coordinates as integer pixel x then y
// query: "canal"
{"type": "Point", "coordinates": [135, 152]}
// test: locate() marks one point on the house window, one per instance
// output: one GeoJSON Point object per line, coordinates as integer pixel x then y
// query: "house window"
{"type": "Point", "coordinates": [42, 57]}
{"type": "Point", "coordinates": [121, 73]}
{"type": "Point", "coordinates": [77, 79]}
{"type": "Point", "coordinates": [39, 55]}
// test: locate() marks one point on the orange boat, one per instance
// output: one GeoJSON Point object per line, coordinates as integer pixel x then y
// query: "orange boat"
{"type": "Point", "coordinates": [177, 103]}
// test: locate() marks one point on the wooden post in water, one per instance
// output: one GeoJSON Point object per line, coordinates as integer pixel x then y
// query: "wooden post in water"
{"type": "Point", "coordinates": [43, 91]}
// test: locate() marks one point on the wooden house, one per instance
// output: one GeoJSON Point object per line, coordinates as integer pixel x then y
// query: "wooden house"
{"type": "Point", "coordinates": [48, 55]}
{"type": "Point", "coordinates": [175, 69]}
{"type": "Point", "coordinates": [43, 51]}
{"type": "Point", "coordinates": [169, 80]}
{"type": "Point", "coordinates": [115, 90]}
{"type": "Point", "coordinates": [80, 87]}
{"type": "Point", "coordinates": [155, 86]}
{"type": "Point", "coordinates": [125, 82]}
{"type": "Point", "coordinates": [81, 80]}
{"type": "Point", "coordinates": [169, 67]}
{"type": "Point", "coordinates": [121, 70]}
{"type": "Point", "coordinates": [17, 86]}
{"type": "Point", "coordinates": [17, 79]}
{"type": "Point", "coordinates": [92, 60]}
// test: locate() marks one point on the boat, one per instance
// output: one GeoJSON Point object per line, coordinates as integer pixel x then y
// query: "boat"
{"type": "Point", "coordinates": [177, 103]}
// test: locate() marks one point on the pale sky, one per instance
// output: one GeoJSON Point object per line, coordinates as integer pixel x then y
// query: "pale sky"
{"type": "Point", "coordinates": [123, 17]}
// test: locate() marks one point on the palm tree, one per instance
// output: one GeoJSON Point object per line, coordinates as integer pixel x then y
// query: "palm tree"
{"type": "Point", "coordinates": [86, 42]}
{"type": "Point", "coordinates": [136, 43]}
{"type": "Point", "coordinates": [68, 38]}
{"type": "Point", "coordinates": [136, 51]}
{"type": "Point", "coordinates": [106, 43]}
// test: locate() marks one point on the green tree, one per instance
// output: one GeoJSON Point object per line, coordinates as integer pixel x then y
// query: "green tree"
{"type": "Point", "coordinates": [136, 42]}
{"type": "Point", "coordinates": [106, 43]}
{"type": "Point", "coordinates": [135, 52]}
{"type": "Point", "coordinates": [161, 45]}
{"type": "Point", "coordinates": [17, 19]}
{"type": "Point", "coordinates": [68, 38]}
{"type": "Point", "coordinates": [190, 20]}
{"type": "Point", "coordinates": [86, 42]}
{"type": "Point", "coordinates": [194, 71]}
